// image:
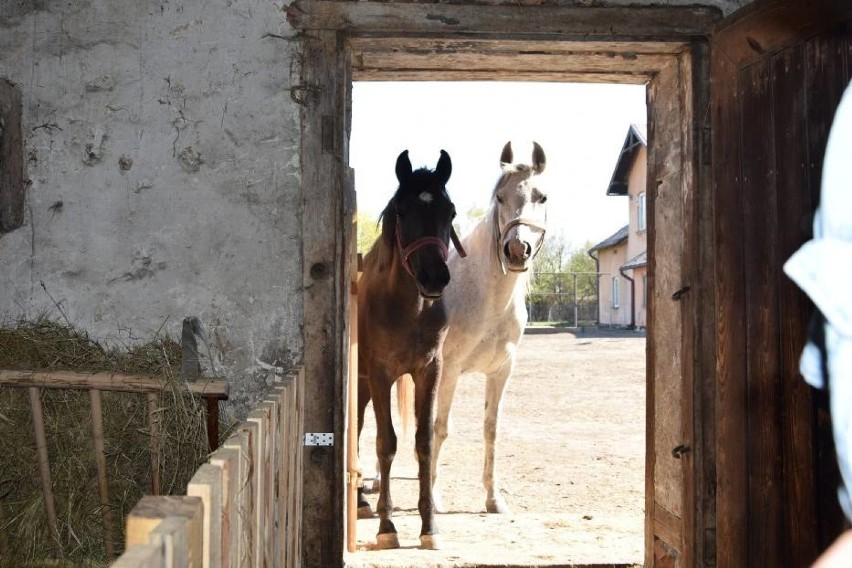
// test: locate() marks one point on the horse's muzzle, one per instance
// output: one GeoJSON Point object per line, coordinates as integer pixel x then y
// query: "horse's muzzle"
{"type": "Point", "coordinates": [518, 254]}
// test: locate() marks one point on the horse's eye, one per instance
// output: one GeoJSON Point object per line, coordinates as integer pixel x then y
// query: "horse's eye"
{"type": "Point", "coordinates": [543, 199]}
{"type": "Point", "coordinates": [499, 200]}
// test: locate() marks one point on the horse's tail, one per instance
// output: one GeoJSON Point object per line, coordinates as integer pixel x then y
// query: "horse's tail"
{"type": "Point", "coordinates": [405, 400]}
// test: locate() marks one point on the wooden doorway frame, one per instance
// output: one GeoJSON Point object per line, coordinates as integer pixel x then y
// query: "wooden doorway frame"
{"type": "Point", "coordinates": [665, 48]}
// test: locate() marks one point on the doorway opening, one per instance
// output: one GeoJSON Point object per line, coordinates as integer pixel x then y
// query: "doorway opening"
{"type": "Point", "coordinates": [571, 442]}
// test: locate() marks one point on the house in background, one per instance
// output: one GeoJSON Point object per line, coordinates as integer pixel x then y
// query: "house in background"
{"type": "Point", "coordinates": [622, 257]}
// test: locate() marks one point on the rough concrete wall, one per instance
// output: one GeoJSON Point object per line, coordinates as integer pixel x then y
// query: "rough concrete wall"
{"type": "Point", "coordinates": [163, 151]}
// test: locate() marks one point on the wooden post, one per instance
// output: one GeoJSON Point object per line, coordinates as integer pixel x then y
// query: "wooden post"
{"type": "Point", "coordinates": [353, 469]}
{"type": "Point", "coordinates": [43, 462]}
{"type": "Point", "coordinates": [227, 460]}
{"type": "Point", "coordinates": [141, 556]}
{"type": "Point", "coordinates": [207, 485]}
{"type": "Point", "coordinates": [154, 423]}
{"type": "Point", "coordinates": [242, 507]}
{"type": "Point", "coordinates": [151, 511]}
{"type": "Point", "coordinates": [212, 422]}
{"type": "Point", "coordinates": [100, 460]}
{"type": "Point", "coordinates": [171, 535]}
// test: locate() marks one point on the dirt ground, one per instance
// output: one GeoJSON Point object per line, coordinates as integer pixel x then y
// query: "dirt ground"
{"type": "Point", "coordinates": [571, 446]}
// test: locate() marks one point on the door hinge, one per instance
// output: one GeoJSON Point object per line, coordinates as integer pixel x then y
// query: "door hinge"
{"type": "Point", "coordinates": [319, 439]}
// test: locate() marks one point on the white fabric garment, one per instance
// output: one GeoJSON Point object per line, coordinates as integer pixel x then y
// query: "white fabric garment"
{"type": "Point", "coordinates": [822, 268]}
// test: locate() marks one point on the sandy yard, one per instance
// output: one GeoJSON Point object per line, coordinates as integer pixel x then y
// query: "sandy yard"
{"type": "Point", "coordinates": [571, 447]}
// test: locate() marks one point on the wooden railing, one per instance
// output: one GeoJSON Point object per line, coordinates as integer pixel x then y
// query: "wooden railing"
{"type": "Point", "coordinates": [242, 508]}
{"type": "Point", "coordinates": [95, 383]}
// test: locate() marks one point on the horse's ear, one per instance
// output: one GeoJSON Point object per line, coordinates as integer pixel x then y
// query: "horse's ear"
{"type": "Point", "coordinates": [403, 166]}
{"type": "Point", "coordinates": [444, 168]}
{"type": "Point", "coordinates": [539, 161]}
{"type": "Point", "coordinates": [506, 156]}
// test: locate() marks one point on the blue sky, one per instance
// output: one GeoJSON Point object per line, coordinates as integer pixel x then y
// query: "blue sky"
{"type": "Point", "coordinates": [580, 126]}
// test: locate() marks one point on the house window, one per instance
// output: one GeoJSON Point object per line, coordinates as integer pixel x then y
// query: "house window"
{"type": "Point", "coordinates": [616, 291]}
{"type": "Point", "coordinates": [11, 158]}
{"type": "Point", "coordinates": [640, 213]}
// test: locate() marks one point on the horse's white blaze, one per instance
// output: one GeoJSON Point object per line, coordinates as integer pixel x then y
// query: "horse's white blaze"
{"type": "Point", "coordinates": [426, 197]}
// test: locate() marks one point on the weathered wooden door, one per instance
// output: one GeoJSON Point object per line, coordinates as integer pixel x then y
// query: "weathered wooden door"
{"type": "Point", "coordinates": [676, 184]}
{"type": "Point", "coordinates": [778, 70]}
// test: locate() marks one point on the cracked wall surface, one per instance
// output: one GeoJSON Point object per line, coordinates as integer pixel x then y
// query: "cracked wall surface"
{"type": "Point", "coordinates": [162, 151]}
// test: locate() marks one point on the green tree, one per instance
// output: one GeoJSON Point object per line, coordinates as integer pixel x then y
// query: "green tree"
{"type": "Point", "coordinates": [368, 231]}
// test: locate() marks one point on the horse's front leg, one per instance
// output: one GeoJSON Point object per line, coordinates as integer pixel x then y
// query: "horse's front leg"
{"type": "Point", "coordinates": [385, 452]}
{"type": "Point", "coordinates": [364, 509]}
{"type": "Point", "coordinates": [425, 385]}
{"type": "Point", "coordinates": [494, 386]}
{"type": "Point", "coordinates": [443, 402]}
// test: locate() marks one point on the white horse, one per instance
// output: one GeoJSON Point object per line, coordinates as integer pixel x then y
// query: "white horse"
{"type": "Point", "coordinates": [487, 307]}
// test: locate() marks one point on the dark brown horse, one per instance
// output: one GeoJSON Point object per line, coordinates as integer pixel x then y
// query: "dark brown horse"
{"type": "Point", "coordinates": [402, 324]}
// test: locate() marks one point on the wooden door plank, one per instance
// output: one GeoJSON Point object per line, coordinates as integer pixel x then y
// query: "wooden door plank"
{"type": "Point", "coordinates": [824, 86]}
{"type": "Point", "coordinates": [795, 202]}
{"type": "Point", "coordinates": [731, 416]}
{"type": "Point", "coordinates": [760, 233]}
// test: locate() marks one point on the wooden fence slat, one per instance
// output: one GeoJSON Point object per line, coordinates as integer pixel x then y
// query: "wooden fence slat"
{"type": "Point", "coordinates": [297, 430]}
{"type": "Point", "coordinates": [207, 485]}
{"type": "Point", "coordinates": [285, 471]}
{"type": "Point", "coordinates": [171, 535]}
{"type": "Point", "coordinates": [273, 519]}
{"type": "Point", "coordinates": [262, 416]}
{"type": "Point", "coordinates": [241, 442]}
{"type": "Point", "coordinates": [43, 461]}
{"type": "Point", "coordinates": [253, 528]}
{"type": "Point", "coordinates": [154, 425]}
{"type": "Point", "coordinates": [141, 556]}
{"type": "Point", "coordinates": [150, 511]}
{"type": "Point", "coordinates": [279, 450]}
{"type": "Point", "coordinates": [227, 460]}
{"type": "Point", "coordinates": [100, 460]}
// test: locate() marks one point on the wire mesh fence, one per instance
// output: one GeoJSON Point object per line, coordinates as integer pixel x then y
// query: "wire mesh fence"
{"type": "Point", "coordinates": [564, 299]}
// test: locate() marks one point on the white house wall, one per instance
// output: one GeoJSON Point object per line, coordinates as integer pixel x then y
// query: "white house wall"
{"type": "Point", "coordinates": [162, 147]}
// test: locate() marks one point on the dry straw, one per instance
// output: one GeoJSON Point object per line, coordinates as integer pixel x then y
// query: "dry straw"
{"type": "Point", "coordinates": [47, 345]}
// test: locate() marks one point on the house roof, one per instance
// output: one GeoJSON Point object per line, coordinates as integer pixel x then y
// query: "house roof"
{"type": "Point", "coordinates": [615, 239]}
{"type": "Point", "coordinates": [637, 261]}
{"type": "Point", "coordinates": [634, 140]}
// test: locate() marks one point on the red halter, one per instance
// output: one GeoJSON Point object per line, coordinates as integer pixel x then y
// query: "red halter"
{"type": "Point", "coordinates": [417, 244]}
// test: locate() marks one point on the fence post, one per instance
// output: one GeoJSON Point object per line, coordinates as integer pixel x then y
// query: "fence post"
{"type": "Point", "coordinates": [100, 460]}
{"type": "Point", "coordinates": [206, 484]}
{"type": "Point", "coordinates": [43, 461]}
{"type": "Point", "coordinates": [151, 511]}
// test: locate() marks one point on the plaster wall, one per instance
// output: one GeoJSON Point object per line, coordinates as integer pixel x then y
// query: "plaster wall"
{"type": "Point", "coordinates": [162, 149]}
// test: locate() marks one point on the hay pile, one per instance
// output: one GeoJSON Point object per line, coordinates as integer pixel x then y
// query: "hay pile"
{"type": "Point", "coordinates": [24, 536]}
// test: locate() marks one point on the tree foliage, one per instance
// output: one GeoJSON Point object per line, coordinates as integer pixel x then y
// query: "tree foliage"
{"type": "Point", "coordinates": [368, 231]}
{"type": "Point", "coordinates": [564, 278]}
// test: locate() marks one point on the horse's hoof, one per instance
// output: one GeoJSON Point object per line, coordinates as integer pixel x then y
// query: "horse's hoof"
{"type": "Point", "coordinates": [365, 512]}
{"type": "Point", "coordinates": [385, 541]}
{"type": "Point", "coordinates": [431, 542]}
{"type": "Point", "coordinates": [497, 505]}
